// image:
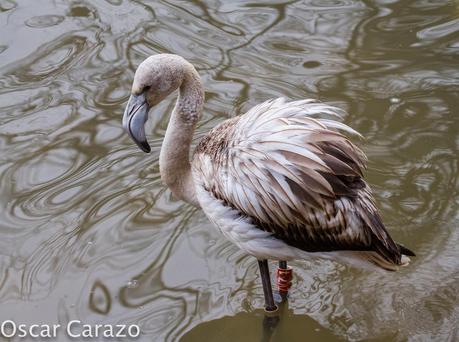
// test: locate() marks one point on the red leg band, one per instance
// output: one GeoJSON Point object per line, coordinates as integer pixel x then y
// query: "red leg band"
{"type": "Point", "coordinates": [284, 279]}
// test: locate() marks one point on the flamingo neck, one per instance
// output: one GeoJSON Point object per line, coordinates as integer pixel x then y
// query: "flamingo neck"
{"type": "Point", "coordinates": [174, 159]}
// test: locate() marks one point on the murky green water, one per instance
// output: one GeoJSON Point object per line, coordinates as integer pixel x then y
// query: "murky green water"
{"type": "Point", "coordinates": [87, 230]}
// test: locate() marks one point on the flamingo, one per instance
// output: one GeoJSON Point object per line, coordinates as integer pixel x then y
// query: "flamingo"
{"type": "Point", "coordinates": [281, 181]}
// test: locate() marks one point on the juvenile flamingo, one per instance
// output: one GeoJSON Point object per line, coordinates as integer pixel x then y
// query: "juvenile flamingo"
{"type": "Point", "coordinates": [281, 181]}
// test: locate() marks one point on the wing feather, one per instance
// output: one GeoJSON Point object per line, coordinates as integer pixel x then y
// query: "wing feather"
{"type": "Point", "coordinates": [295, 175]}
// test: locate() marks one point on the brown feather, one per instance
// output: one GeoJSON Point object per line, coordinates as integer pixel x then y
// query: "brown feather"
{"type": "Point", "coordinates": [298, 179]}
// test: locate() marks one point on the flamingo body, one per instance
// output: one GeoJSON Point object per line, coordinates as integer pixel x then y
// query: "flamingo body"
{"type": "Point", "coordinates": [282, 183]}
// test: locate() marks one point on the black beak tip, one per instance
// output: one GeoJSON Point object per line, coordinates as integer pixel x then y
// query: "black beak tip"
{"type": "Point", "coordinates": [145, 147]}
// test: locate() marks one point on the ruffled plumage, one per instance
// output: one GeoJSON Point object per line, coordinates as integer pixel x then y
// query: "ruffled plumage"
{"type": "Point", "coordinates": [290, 171]}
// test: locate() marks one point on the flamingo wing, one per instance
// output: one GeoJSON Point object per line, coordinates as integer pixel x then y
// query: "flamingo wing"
{"type": "Point", "coordinates": [294, 174]}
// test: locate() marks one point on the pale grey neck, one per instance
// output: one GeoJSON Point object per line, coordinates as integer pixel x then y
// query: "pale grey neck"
{"type": "Point", "coordinates": [174, 159]}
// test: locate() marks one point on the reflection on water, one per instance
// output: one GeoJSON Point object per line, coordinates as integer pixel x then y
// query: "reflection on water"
{"type": "Point", "coordinates": [88, 231]}
{"type": "Point", "coordinates": [254, 326]}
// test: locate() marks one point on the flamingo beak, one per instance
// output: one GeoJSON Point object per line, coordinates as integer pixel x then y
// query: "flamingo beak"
{"type": "Point", "coordinates": [134, 118]}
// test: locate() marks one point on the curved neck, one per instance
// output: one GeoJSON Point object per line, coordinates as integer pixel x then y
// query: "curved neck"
{"type": "Point", "coordinates": [174, 159]}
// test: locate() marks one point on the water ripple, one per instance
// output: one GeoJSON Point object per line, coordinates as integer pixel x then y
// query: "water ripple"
{"type": "Point", "coordinates": [88, 230]}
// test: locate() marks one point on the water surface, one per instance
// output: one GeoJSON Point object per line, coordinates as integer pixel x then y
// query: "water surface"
{"type": "Point", "coordinates": [88, 231]}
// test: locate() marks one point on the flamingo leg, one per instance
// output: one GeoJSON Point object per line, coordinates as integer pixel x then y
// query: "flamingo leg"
{"type": "Point", "coordinates": [270, 306]}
